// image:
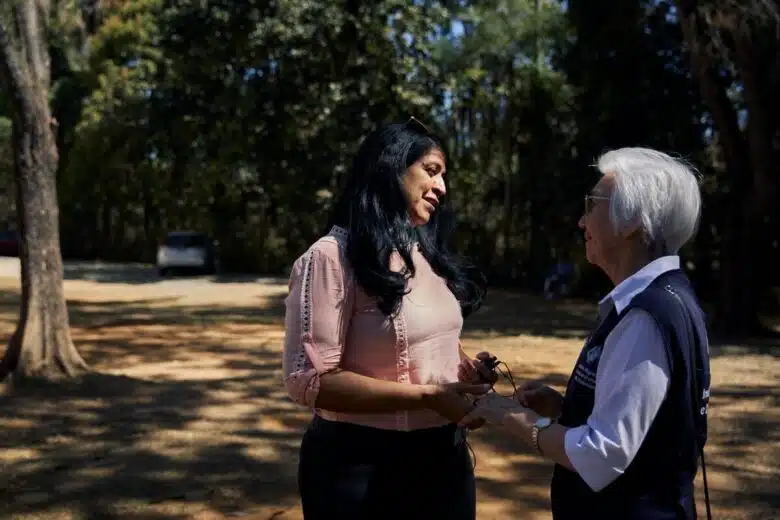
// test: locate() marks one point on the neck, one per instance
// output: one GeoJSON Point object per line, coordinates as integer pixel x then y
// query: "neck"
{"type": "Point", "coordinates": [626, 265]}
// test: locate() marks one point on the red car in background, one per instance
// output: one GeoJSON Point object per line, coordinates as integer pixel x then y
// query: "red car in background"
{"type": "Point", "coordinates": [9, 243]}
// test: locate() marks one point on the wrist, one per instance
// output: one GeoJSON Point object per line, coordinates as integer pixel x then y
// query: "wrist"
{"type": "Point", "coordinates": [424, 395]}
{"type": "Point", "coordinates": [521, 423]}
{"type": "Point", "coordinates": [540, 425]}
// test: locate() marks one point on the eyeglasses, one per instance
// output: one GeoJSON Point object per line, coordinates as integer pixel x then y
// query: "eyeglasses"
{"type": "Point", "coordinates": [416, 123]}
{"type": "Point", "coordinates": [589, 201]}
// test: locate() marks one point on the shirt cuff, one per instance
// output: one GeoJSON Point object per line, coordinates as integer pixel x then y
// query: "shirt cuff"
{"type": "Point", "coordinates": [588, 460]}
{"type": "Point", "coordinates": [303, 387]}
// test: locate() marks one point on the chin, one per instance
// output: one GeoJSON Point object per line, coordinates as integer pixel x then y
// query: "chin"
{"type": "Point", "coordinates": [420, 220]}
{"type": "Point", "coordinates": [589, 256]}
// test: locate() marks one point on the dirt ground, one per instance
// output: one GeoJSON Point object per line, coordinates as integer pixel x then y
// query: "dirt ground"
{"type": "Point", "coordinates": [186, 417]}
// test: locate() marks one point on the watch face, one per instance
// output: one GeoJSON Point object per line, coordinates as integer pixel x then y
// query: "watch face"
{"type": "Point", "coordinates": [543, 422]}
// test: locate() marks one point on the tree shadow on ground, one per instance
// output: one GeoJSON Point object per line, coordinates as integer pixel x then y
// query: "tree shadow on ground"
{"type": "Point", "coordinates": [511, 313]}
{"type": "Point", "coordinates": [509, 471]}
{"type": "Point", "coordinates": [139, 274]}
{"type": "Point", "coordinates": [747, 347]}
{"type": "Point", "coordinates": [507, 314]}
{"type": "Point", "coordinates": [163, 311]}
{"type": "Point", "coordinates": [200, 423]}
{"type": "Point", "coordinates": [744, 450]}
{"type": "Point", "coordinates": [106, 272]}
{"type": "Point", "coordinates": [113, 445]}
{"type": "Point", "coordinates": [268, 310]}
{"type": "Point", "coordinates": [742, 457]}
{"type": "Point", "coordinates": [190, 415]}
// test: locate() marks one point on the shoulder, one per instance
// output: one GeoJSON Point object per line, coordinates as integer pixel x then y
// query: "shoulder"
{"type": "Point", "coordinates": [328, 247]}
{"type": "Point", "coordinates": [657, 302]}
{"type": "Point", "coordinates": [670, 307]}
{"type": "Point", "coordinates": [328, 252]}
{"type": "Point", "coordinates": [637, 339]}
{"type": "Point", "coordinates": [651, 314]}
{"type": "Point", "coordinates": [638, 323]}
{"type": "Point", "coordinates": [655, 296]}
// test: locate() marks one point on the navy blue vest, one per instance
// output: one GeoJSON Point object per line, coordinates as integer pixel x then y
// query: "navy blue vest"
{"type": "Point", "coordinates": [658, 484]}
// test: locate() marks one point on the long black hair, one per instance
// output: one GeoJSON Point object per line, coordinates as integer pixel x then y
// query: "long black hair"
{"type": "Point", "coordinates": [374, 211]}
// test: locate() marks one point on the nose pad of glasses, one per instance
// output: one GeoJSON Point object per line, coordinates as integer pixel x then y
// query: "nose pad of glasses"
{"type": "Point", "coordinates": [588, 205]}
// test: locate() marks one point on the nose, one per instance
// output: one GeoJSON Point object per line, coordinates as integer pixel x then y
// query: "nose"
{"type": "Point", "coordinates": [581, 222]}
{"type": "Point", "coordinates": [439, 188]}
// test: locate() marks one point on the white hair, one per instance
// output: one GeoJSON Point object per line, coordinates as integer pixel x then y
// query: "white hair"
{"type": "Point", "coordinates": [659, 192]}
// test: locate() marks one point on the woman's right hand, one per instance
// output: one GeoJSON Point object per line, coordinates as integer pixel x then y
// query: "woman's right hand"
{"type": "Point", "coordinates": [540, 398]}
{"type": "Point", "coordinates": [451, 401]}
{"type": "Point", "coordinates": [475, 371]}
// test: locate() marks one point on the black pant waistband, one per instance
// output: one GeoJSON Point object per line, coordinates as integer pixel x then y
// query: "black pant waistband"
{"type": "Point", "coordinates": [446, 435]}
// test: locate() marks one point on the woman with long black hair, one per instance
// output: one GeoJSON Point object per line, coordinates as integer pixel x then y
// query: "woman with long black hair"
{"type": "Point", "coordinates": [373, 321]}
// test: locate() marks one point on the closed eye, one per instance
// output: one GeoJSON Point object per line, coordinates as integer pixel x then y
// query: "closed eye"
{"type": "Point", "coordinates": [434, 170]}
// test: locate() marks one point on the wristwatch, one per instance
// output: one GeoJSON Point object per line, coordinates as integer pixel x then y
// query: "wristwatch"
{"type": "Point", "coordinates": [540, 424]}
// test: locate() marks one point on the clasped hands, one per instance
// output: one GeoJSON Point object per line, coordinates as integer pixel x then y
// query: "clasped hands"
{"type": "Point", "coordinates": [455, 401]}
{"type": "Point", "coordinates": [491, 406]}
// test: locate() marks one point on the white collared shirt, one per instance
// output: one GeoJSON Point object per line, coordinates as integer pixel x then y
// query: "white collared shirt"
{"type": "Point", "coordinates": [632, 379]}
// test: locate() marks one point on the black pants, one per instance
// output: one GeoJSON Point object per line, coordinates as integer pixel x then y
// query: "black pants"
{"type": "Point", "coordinates": [355, 472]}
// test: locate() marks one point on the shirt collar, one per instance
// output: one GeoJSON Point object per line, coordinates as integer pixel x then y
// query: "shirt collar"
{"type": "Point", "coordinates": [626, 290]}
{"type": "Point", "coordinates": [339, 232]}
{"type": "Point", "coordinates": [342, 234]}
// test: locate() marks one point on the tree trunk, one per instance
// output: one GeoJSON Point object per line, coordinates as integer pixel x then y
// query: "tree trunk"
{"type": "Point", "coordinates": [41, 344]}
{"type": "Point", "coordinates": [737, 314]}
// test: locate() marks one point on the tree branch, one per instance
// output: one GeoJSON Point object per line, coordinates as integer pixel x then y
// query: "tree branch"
{"type": "Point", "coordinates": [33, 16]}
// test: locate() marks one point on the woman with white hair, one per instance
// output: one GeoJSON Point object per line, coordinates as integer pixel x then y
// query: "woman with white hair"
{"type": "Point", "coordinates": [627, 434]}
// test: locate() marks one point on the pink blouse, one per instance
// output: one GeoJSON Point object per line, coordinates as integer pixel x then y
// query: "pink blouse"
{"type": "Point", "coordinates": [331, 323]}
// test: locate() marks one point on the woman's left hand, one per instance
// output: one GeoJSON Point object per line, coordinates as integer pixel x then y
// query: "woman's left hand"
{"type": "Point", "coordinates": [492, 407]}
{"type": "Point", "coordinates": [451, 401]}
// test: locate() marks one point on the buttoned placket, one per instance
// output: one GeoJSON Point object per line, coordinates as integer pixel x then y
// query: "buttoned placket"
{"type": "Point", "coordinates": [402, 363]}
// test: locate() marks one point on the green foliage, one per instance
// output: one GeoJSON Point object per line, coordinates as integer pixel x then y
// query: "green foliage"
{"type": "Point", "coordinates": [240, 118]}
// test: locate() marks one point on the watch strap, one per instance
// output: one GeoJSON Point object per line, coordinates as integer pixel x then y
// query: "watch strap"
{"type": "Point", "coordinates": [535, 430]}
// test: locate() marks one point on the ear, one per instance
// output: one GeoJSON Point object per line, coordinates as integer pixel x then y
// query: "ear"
{"type": "Point", "coordinates": [631, 230]}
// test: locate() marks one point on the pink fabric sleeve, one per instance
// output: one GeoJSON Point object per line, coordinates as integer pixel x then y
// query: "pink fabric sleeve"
{"type": "Point", "coordinates": [318, 310]}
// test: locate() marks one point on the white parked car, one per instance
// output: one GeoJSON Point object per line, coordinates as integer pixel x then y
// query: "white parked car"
{"type": "Point", "coordinates": [186, 250]}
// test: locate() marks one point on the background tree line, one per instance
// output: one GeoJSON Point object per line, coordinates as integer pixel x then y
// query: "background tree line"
{"type": "Point", "coordinates": [240, 118]}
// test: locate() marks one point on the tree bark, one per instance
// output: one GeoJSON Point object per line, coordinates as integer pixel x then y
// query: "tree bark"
{"type": "Point", "coordinates": [41, 345]}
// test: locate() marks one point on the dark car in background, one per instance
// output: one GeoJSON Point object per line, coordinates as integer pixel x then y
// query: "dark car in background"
{"type": "Point", "coordinates": [187, 251]}
{"type": "Point", "coordinates": [10, 244]}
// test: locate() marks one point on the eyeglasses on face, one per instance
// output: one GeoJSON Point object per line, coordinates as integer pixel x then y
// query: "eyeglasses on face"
{"type": "Point", "coordinates": [590, 201]}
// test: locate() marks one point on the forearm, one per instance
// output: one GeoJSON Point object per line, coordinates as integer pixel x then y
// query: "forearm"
{"type": "Point", "coordinates": [345, 391]}
{"type": "Point", "coordinates": [520, 422]}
